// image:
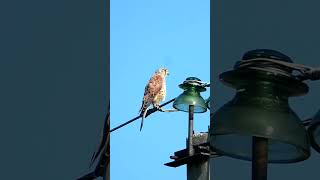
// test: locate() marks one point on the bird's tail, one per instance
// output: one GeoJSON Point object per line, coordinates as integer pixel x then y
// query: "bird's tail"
{"type": "Point", "coordinates": [143, 112]}
{"type": "Point", "coordinates": [142, 107]}
{"type": "Point", "coordinates": [143, 116]}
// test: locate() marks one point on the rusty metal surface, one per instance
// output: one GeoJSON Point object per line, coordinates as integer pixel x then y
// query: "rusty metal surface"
{"type": "Point", "coordinates": [259, 158]}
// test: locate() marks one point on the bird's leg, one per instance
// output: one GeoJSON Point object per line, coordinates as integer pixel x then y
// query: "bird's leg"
{"type": "Point", "coordinates": [169, 110]}
{"type": "Point", "coordinates": [157, 106]}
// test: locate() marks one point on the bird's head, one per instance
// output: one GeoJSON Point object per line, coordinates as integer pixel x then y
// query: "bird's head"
{"type": "Point", "coordinates": [163, 71]}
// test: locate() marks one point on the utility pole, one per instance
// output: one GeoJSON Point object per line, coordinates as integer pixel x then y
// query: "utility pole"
{"type": "Point", "coordinates": [197, 155]}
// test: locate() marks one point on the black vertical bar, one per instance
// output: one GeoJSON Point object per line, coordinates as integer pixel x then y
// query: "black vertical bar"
{"type": "Point", "coordinates": [190, 130]}
{"type": "Point", "coordinates": [106, 153]}
{"type": "Point", "coordinates": [259, 158]}
{"type": "Point", "coordinates": [106, 3]}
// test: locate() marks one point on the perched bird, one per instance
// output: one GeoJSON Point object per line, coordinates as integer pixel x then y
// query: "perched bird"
{"type": "Point", "coordinates": [154, 92]}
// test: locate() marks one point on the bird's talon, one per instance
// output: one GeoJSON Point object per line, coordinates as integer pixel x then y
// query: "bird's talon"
{"type": "Point", "coordinates": [160, 109]}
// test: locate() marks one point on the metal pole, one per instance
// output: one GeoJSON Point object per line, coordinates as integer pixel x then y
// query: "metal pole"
{"type": "Point", "coordinates": [190, 130]}
{"type": "Point", "coordinates": [199, 170]}
{"type": "Point", "coordinates": [259, 158]}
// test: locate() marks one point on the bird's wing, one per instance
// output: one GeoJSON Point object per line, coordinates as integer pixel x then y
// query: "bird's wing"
{"type": "Point", "coordinates": [151, 90]}
{"type": "Point", "coordinates": [154, 86]}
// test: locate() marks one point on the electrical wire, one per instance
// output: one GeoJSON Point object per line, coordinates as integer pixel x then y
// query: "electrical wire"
{"type": "Point", "coordinates": [307, 73]}
{"type": "Point", "coordinates": [150, 111]}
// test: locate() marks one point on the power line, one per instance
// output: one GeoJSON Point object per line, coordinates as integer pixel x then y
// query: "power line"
{"type": "Point", "coordinates": [150, 111]}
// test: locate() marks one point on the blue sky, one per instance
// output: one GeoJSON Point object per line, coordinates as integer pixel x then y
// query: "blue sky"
{"type": "Point", "coordinates": [146, 35]}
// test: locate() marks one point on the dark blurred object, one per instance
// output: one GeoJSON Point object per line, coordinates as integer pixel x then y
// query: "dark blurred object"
{"type": "Point", "coordinates": [102, 168]}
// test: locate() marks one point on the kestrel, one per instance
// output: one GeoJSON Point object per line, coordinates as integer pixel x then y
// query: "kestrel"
{"type": "Point", "coordinates": [154, 92]}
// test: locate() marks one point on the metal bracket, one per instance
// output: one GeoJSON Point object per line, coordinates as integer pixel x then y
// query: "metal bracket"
{"type": "Point", "coordinates": [202, 152]}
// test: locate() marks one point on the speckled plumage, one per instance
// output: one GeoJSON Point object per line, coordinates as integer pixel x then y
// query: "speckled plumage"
{"type": "Point", "coordinates": [155, 91]}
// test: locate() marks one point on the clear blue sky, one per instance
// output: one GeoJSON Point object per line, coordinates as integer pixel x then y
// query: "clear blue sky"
{"type": "Point", "coordinates": [146, 35]}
